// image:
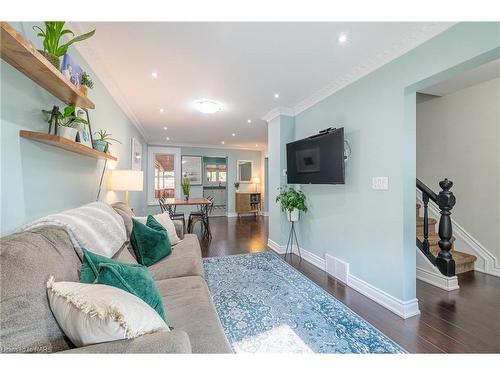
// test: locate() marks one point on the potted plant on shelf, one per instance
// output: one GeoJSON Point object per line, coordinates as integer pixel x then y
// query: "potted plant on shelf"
{"type": "Point", "coordinates": [237, 186]}
{"type": "Point", "coordinates": [186, 186]}
{"type": "Point", "coordinates": [86, 83]}
{"type": "Point", "coordinates": [65, 122]}
{"type": "Point", "coordinates": [102, 143]}
{"type": "Point", "coordinates": [292, 202]}
{"type": "Point", "coordinates": [52, 49]}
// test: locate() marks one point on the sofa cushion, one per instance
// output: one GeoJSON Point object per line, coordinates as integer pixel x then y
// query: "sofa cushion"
{"type": "Point", "coordinates": [190, 309]}
{"type": "Point", "coordinates": [185, 260]}
{"type": "Point", "coordinates": [126, 214]}
{"type": "Point", "coordinates": [27, 259]}
{"type": "Point", "coordinates": [89, 271]}
{"type": "Point", "coordinates": [150, 243]}
{"type": "Point", "coordinates": [92, 314]}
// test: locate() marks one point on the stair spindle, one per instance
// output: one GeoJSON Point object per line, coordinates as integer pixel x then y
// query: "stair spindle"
{"type": "Point", "coordinates": [425, 200]}
{"type": "Point", "coordinates": [445, 200]}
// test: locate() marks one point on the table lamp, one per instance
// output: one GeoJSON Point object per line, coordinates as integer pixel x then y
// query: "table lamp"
{"type": "Point", "coordinates": [256, 181]}
{"type": "Point", "coordinates": [125, 180]}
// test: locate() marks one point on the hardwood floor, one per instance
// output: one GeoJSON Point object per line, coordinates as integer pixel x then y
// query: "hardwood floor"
{"type": "Point", "coordinates": [463, 321]}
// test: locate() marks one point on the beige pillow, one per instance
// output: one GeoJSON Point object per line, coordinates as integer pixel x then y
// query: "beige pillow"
{"type": "Point", "coordinates": [94, 313]}
{"type": "Point", "coordinates": [165, 220]}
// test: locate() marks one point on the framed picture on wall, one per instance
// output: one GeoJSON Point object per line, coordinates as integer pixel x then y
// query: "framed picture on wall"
{"type": "Point", "coordinates": [136, 154]}
{"type": "Point", "coordinates": [192, 169]}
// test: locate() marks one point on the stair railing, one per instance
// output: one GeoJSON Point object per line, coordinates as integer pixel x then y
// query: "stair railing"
{"type": "Point", "coordinates": [445, 200]}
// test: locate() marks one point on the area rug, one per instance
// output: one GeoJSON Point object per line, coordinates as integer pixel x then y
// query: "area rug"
{"type": "Point", "coordinates": [266, 306]}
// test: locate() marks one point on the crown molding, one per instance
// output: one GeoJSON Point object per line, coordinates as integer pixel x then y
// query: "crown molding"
{"type": "Point", "coordinates": [195, 145]}
{"type": "Point", "coordinates": [366, 67]}
{"type": "Point", "coordinates": [102, 72]}
{"type": "Point", "coordinates": [278, 111]}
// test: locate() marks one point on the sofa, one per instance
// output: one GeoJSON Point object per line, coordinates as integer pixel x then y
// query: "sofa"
{"type": "Point", "coordinates": [27, 325]}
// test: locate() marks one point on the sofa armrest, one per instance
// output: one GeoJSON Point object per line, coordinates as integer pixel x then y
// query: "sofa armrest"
{"type": "Point", "coordinates": [179, 228]}
{"type": "Point", "coordinates": [175, 341]}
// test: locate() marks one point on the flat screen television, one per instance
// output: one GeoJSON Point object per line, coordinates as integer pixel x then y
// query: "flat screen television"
{"type": "Point", "coordinates": [318, 159]}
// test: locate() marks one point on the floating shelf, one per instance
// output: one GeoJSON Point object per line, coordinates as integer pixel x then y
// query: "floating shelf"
{"type": "Point", "coordinates": [61, 142]}
{"type": "Point", "coordinates": [19, 53]}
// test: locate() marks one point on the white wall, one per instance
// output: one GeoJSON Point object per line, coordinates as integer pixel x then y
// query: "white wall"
{"type": "Point", "coordinates": [458, 136]}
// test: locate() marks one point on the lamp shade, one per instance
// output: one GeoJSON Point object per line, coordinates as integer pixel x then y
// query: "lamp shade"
{"type": "Point", "coordinates": [256, 180]}
{"type": "Point", "coordinates": [125, 180]}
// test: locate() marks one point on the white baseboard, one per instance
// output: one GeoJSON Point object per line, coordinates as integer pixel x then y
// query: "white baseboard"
{"type": "Point", "coordinates": [441, 281]}
{"type": "Point", "coordinates": [486, 262]}
{"type": "Point", "coordinates": [265, 213]}
{"type": "Point", "coordinates": [234, 214]}
{"type": "Point", "coordinates": [404, 309]}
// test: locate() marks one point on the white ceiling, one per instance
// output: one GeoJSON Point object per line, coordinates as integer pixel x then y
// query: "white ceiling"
{"type": "Point", "coordinates": [240, 65]}
{"type": "Point", "coordinates": [470, 78]}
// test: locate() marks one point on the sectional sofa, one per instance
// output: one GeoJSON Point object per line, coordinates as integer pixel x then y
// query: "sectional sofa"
{"type": "Point", "coordinates": [29, 258]}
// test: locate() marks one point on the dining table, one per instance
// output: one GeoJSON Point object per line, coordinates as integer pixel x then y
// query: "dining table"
{"type": "Point", "coordinates": [203, 204]}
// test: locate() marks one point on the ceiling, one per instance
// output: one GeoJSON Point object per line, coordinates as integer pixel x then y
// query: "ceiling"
{"type": "Point", "coordinates": [239, 65]}
{"type": "Point", "coordinates": [470, 78]}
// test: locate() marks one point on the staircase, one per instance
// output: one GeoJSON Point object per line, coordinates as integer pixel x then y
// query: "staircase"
{"type": "Point", "coordinates": [463, 262]}
{"type": "Point", "coordinates": [439, 246]}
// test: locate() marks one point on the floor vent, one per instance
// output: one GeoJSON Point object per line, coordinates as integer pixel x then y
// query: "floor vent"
{"type": "Point", "coordinates": [337, 268]}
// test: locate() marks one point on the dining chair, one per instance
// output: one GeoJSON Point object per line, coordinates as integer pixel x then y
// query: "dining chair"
{"type": "Point", "coordinates": [173, 215]}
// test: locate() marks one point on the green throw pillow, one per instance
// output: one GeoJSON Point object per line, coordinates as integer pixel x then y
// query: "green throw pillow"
{"type": "Point", "coordinates": [91, 263]}
{"type": "Point", "coordinates": [134, 279]}
{"type": "Point", "coordinates": [150, 241]}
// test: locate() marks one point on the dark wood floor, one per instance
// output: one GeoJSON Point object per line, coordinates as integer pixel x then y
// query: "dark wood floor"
{"type": "Point", "coordinates": [462, 321]}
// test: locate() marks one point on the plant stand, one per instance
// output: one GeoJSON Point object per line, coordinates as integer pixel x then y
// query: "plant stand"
{"type": "Point", "coordinates": [289, 245]}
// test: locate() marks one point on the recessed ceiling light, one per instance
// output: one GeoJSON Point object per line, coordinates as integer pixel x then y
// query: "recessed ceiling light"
{"type": "Point", "coordinates": [276, 96]}
{"type": "Point", "coordinates": [249, 121]}
{"type": "Point", "coordinates": [168, 138]}
{"type": "Point", "coordinates": [154, 74]}
{"type": "Point", "coordinates": [207, 106]}
{"type": "Point", "coordinates": [342, 38]}
{"type": "Point", "coordinates": [162, 110]}
{"type": "Point", "coordinates": [234, 134]}
{"type": "Point", "coordinates": [256, 145]}
{"type": "Point", "coordinates": [223, 142]}
{"type": "Point", "coordinates": [165, 128]}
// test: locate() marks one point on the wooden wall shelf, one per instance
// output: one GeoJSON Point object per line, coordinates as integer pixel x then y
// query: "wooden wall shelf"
{"type": "Point", "coordinates": [19, 53]}
{"type": "Point", "coordinates": [64, 143]}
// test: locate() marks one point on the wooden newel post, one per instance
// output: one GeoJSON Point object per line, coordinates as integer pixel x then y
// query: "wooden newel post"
{"type": "Point", "coordinates": [445, 200]}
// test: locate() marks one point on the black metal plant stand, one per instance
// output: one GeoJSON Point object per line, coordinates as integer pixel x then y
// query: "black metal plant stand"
{"type": "Point", "coordinates": [289, 245]}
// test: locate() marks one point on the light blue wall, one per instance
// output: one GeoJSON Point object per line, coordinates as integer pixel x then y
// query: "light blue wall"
{"type": "Point", "coordinates": [374, 231]}
{"type": "Point", "coordinates": [38, 179]}
{"type": "Point", "coordinates": [232, 157]}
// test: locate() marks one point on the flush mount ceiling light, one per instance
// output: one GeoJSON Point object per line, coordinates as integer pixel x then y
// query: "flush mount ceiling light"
{"type": "Point", "coordinates": [342, 38]}
{"type": "Point", "coordinates": [207, 106]}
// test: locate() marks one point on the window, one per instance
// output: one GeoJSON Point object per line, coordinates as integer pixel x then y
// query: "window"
{"type": "Point", "coordinates": [215, 173]}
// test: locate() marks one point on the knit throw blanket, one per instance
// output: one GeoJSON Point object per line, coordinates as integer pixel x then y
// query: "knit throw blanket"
{"type": "Point", "coordinates": [95, 226]}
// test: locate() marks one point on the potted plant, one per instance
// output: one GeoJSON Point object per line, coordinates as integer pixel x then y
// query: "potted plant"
{"type": "Point", "coordinates": [86, 83]}
{"type": "Point", "coordinates": [186, 186]}
{"type": "Point", "coordinates": [65, 121]}
{"type": "Point", "coordinates": [52, 49]}
{"type": "Point", "coordinates": [102, 143]}
{"type": "Point", "coordinates": [237, 186]}
{"type": "Point", "coordinates": [292, 202]}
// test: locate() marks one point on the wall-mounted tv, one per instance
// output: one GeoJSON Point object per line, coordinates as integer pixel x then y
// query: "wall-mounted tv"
{"type": "Point", "coordinates": [318, 159]}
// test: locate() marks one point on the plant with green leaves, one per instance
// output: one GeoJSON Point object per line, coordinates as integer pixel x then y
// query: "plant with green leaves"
{"type": "Point", "coordinates": [52, 47]}
{"type": "Point", "coordinates": [291, 199]}
{"type": "Point", "coordinates": [67, 117]}
{"type": "Point", "coordinates": [85, 80]}
{"type": "Point", "coordinates": [105, 137]}
{"type": "Point", "coordinates": [186, 186]}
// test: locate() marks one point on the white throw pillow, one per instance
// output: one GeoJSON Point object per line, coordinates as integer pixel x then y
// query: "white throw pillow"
{"type": "Point", "coordinates": [94, 313]}
{"type": "Point", "coordinates": [165, 220]}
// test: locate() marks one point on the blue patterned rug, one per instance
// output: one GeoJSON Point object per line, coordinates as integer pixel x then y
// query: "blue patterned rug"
{"type": "Point", "coordinates": [266, 306]}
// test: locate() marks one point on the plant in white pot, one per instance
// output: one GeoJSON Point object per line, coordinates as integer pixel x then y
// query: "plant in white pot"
{"type": "Point", "coordinates": [65, 121]}
{"type": "Point", "coordinates": [292, 202]}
